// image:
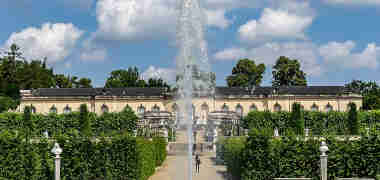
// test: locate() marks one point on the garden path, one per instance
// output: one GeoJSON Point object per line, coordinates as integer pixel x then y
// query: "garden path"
{"type": "Point", "coordinates": [175, 168]}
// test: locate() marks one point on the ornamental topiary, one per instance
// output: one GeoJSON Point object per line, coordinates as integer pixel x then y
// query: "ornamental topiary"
{"type": "Point", "coordinates": [353, 120]}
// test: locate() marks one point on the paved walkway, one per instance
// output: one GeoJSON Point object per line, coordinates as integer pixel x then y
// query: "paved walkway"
{"type": "Point", "coordinates": [175, 168]}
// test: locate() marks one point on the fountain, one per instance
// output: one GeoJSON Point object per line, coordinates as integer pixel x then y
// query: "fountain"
{"type": "Point", "coordinates": [193, 69]}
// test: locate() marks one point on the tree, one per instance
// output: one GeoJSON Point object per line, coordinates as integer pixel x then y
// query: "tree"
{"type": "Point", "coordinates": [125, 78]}
{"type": "Point", "coordinates": [246, 73]}
{"type": "Point", "coordinates": [128, 120]}
{"type": "Point", "coordinates": [85, 128]}
{"type": "Point", "coordinates": [6, 103]}
{"type": "Point", "coordinates": [353, 120]}
{"type": "Point", "coordinates": [83, 83]}
{"type": "Point", "coordinates": [370, 92]}
{"type": "Point", "coordinates": [157, 82]}
{"type": "Point", "coordinates": [287, 72]}
{"type": "Point", "coordinates": [297, 121]}
{"type": "Point", "coordinates": [131, 78]}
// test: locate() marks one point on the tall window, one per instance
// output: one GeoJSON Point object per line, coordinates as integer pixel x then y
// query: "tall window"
{"type": "Point", "coordinates": [155, 108]}
{"type": "Point", "coordinates": [67, 110]}
{"type": "Point", "coordinates": [239, 110]}
{"type": "Point", "coordinates": [105, 108]}
{"type": "Point", "coordinates": [204, 113]}
{"type": "Point", "coordinates": [329, 108]}
{"type": "Point", "coordinates": [225, 107]}
{"type": "Point", "coordinates": [253, 107]}
{"type": "Point", "coordinates": [53, 109]}
{"type": "Point", "coordinates": [314, 108]}
{"type": "Point", "coordinates": [277, 107]}
{"type": "Point", "coordinates": [33, 109]}
{"type": "Point", "coordinates": [141, 110]}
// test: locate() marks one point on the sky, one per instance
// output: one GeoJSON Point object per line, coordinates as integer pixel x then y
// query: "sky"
{"type": "Point", "coordinates": [336, 41]}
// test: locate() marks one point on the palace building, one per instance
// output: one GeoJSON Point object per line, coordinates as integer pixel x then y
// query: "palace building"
{"type": "Point", "coordinates": [225, 99]}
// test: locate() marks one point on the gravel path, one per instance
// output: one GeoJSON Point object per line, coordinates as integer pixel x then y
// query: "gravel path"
{"type": "Point", "coordinates": [175, 168]}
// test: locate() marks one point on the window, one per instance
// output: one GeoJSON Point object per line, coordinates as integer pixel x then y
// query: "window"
{"type": "Point", "coordinates": [155, 108]}
{"type": "Point", "coordinates": [239, 110]}
{"type": "Point", "coordinates": [204, 113]}
{"type": "Point", "coordinates": [53, 109]}
{"type": "Point", "coordinates": [33, 109]}
{"type": "Point", "coordinates": [105, 108]}
{"type": "Point", "coordinates": [225, 107]}
{"type": "Point", "coordinates": [277, 107]}
{"type": "Point", "coordinates": [314, 108]}
{"type": "Point", "coordinates": [67, 110]}
{"type": "Point", "coordinates": [141, 110]}
{"type": "Point", "coordinates": [329, 108]}
{"type": "Point", "coordinates": [253, 107]}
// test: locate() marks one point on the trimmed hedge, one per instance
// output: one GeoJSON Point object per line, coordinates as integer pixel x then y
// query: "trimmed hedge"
{"type": "Point", "coordinates": [56, 124]}
{"type": "Point", "coordinates": [261, 157]}
{"type": "Point", "coordinates": [118, 157]}
{"type": "Point", "coordinates": [320, 123]}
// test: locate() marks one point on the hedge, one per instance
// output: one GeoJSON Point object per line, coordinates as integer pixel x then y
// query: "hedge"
{"type": "Point", "coordinates": [56, 124]}
{"type": "Point", "coordinates": [333, 123]}
{"type": "Point", "coordinates": [117, 157]}
{"type": "Point", "coordinates": [262, 157]}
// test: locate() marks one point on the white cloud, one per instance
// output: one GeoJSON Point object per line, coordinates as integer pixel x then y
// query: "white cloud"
{"type": "Point", "coordinates": [217, 18]}
{"type": "Point", "coordinates": [231, 54]}
{"type": "Point", "coordinates": [92, 51]}
{"type": "Point", "coordinates": [94, 55]}
{"type": "Point", "coordinates": [353, 2]}
{"type": "Point", "coordinates": [342, 54]}
{"type": "Point", "coordinates": [268, 53]}
{"type": "Point", "coordinates": [167, 74]}
{"type": "Point", "coordinates": [141, 19]}
{"type": "Point", "coordinates": [274, 24]}
{"type": "Point", "coordinates": [54, 41]}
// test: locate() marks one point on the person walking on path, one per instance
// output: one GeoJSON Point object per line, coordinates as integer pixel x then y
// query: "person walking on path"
{"type": "Point", "coordinates": [197, 163]}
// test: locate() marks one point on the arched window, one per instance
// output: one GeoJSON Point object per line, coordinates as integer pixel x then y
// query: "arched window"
{"type": "Point", "coordinates": [314, 107]}
{"type": "Point", "coordinates": [277, 107]}
{"type": "Point", "coordinates": [225, 107]}
{"type": "Point", "coordinates": [239, 110]}
{"type": "Point", "coordinates": [53, 109]}
{"type": "Point", "coordinates": [155, 108]}
{"type": "Point", "coordinates": [141, 110]}
{"type": "Point", "coordinates": [33, 109]}
{"type": "Point", "coordinates": [67, 110]}
{"type": "Point", "coordinates": [329, 107]}
{"type": "Point", "coordinates": [105, 108]}
{"type": "Point", "coordinates": [253, 107]}
{"type": "Point", "coordinates": [204, 113]}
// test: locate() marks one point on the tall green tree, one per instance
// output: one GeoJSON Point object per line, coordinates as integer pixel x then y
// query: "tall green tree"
{"type": "Point", "coordinates": [157, 82]}
{"type": "Point", "coordinates": [246, 73]}
{"type": "Point", "coordinates": [85, 120]}
{"type": "Point", "coordinates": [83, 83]}
{"type": "Point", "coordinates": [287, 72]}
{"type": "Point", "coordinates": [297, 120]}
{"type": "Point", "coordinates": [132, 78]}
{"type": "Point", "coordinates": [353, 120]}
{"type": "Point", "coordinates": [125, 78]}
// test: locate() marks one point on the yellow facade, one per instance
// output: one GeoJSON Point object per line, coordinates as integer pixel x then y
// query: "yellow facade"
{"type": "Point", "coordinates": [202, 105]}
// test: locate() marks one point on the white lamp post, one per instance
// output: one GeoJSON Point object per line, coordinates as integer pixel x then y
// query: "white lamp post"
{"type": "Point", "coordinates": [323, 150]}
{"type": "Point", "coordinates": [57, 151]}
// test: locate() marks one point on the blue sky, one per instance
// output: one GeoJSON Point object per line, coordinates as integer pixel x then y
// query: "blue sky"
{"type": "Point", "coordinates": [335, 40]}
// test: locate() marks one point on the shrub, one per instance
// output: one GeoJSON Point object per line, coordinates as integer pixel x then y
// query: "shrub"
{"type": "Point", "coordinates": [265, 158]}
{"type": "Point", "coordinates": [353, 121]}
{"type": "Point", "coordinates": [297, 121]}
